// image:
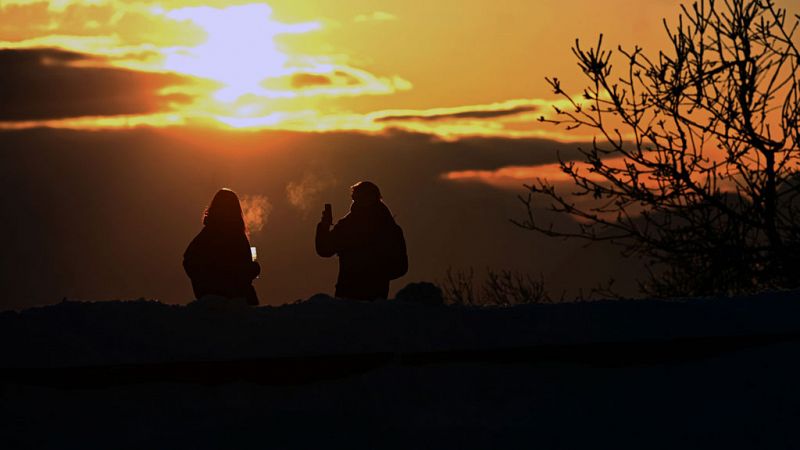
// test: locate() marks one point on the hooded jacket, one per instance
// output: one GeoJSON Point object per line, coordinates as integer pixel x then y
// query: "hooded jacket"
{"type": "Point", "coordinates": [363, 240]}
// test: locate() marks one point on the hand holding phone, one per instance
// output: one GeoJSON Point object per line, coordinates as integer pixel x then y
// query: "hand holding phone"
{"type": "Point", "coordinates": [327, 214]}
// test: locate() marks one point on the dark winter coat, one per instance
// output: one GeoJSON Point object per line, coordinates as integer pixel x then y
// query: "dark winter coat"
{"type": "Point", "coordinates": [218, 261]}
{"type": "Point", "coordinates": [365, 240]}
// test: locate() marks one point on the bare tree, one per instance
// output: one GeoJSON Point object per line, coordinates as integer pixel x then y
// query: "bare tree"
{"type": "Point", "coordinates": [695, 163]}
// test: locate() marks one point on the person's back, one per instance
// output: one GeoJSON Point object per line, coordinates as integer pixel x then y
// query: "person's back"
{"type": "Point", "coordinates": [218, 260]}
{"type": "Point", "coordinates": [369, 243]}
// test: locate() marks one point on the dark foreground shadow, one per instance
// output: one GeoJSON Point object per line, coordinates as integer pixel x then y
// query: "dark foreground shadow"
{"type": "Point", "coordinates": [283, 371]}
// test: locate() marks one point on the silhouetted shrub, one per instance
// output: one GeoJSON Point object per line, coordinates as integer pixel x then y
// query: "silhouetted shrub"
{"type": "Point", "coordinates": [424, 293]}
{"type": "Point", "coordinates": [498, 288]}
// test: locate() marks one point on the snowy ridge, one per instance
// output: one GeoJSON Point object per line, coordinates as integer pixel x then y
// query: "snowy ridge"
{"type": "Point", "coordinates": [72, 333]}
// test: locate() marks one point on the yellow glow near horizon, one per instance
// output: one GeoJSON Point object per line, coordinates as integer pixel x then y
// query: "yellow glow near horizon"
{"type": "Point", "coordinates": [454, 67]}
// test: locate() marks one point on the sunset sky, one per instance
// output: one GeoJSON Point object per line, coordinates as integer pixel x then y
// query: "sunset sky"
{"type": "Point", "coordinates": [120, 119]}
{"type": "Point", "coordinates": [449, 67]}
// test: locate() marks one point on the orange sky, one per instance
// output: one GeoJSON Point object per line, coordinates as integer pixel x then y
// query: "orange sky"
{"type": "Point", "coordinates": [449, 67]}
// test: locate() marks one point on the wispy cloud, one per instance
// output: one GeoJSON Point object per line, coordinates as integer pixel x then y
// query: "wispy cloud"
{"type": "Point", "coordinates": [513, 177]}
{"type": "Point", "coordinates": [332, 80]}
{"type": "Point", "coordinates": [517, 118]}
{"type": "Point", "coordinates": [460, 113]}
{"type": "Point", "coordinates": [376, 16]}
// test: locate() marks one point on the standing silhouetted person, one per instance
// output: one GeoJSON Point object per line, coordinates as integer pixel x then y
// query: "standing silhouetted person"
{"type": "Point", "coordinates": [218, 260]}
{"type": "Point", "coordinates": [370, 245]}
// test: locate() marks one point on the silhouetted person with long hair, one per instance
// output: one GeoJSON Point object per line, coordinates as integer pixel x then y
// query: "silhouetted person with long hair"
{"type": "Point", "coordinates": [370, 245]}
{"type": "Point", "coordinates": [218, 260]}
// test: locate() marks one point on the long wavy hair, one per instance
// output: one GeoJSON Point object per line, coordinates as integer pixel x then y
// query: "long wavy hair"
{"type": "Point", "coordinates": [225, 212]}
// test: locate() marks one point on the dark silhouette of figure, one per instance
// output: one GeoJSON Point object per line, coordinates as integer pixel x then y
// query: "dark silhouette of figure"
{"type": "Point", "coordinates": [370, 245]}
{"type": "Point", "coordinates": [218, 260]}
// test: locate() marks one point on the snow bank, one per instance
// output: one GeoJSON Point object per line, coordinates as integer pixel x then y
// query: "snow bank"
{"type": "Point", "coordinates": [73, 333]}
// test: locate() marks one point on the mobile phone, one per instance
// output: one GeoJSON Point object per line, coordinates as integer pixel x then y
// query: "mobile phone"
{"type": "Point", "coordinates": [328, 212]}
{"type": "Point", "coordinates": [253, 254]}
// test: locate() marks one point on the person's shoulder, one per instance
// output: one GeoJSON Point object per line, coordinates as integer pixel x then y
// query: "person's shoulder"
{"type": "Point", "coordinates": [345, 220]}
{"type": "Point", "coordinates": [200, 235]}
{"type": "Point", "coordinates": [198, 241]}
{"type": "Point", "coordinates": [386, 213]}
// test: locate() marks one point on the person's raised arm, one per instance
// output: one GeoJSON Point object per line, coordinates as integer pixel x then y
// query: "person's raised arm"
{"type": "Point", "coordinates": [324, 241]}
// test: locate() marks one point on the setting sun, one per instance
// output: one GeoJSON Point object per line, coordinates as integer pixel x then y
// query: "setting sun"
{"type": "Point", "coordinates": [239, 50]}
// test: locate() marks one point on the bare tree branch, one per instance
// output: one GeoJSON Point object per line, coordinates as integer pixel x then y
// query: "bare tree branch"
{"type": "Point", "coordinates": [695, 164]}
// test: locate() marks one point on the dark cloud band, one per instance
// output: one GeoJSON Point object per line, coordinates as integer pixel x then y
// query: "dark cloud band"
{"type": "Point", "coordinates": [471, 114]}
{"type": "Point", "coordinates": [44, 84]}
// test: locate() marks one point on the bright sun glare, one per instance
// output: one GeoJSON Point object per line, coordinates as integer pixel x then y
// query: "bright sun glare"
{"type": "Point", "coordinates": [236, 68]}
{"type": "Point", "coordinates": [239, 51]}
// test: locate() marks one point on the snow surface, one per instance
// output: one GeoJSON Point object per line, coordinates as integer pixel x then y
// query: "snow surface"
{"type": "Point", "coordinates": [745, 397]}
{"type": "Point", "coordinates": [73, 333]}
